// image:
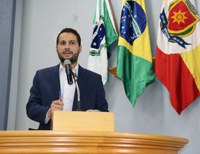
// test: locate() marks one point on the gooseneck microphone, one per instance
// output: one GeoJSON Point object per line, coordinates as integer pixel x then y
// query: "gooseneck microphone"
{"type": "Point", "coordinates": [68, 70]}
{"type": "Point", "coordinates": [72, 77]}
{"type": "Point", "coordinates": [78, 92]}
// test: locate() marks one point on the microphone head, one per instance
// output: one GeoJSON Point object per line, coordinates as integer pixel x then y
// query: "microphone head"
{"type": "Point", "coordinates": [67, 62]}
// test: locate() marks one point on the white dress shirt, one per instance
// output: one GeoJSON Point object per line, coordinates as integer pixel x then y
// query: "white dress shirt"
{"type": "Point", "coordinates": [67, 91]}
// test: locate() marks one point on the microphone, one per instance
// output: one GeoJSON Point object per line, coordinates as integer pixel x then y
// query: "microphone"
{"type": "Point", "coordinates": [68, 70]}
{"type": "Point", "coordinates": [78, 92]}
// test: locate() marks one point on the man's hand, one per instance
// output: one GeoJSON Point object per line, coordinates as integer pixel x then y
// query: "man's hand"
{"type": "Point", "coordinates": [56, 105]}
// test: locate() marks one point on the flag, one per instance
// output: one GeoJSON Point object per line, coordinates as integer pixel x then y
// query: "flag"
{"type": "Point", "coordinates": [134, 59]}
{"type": "Point", "coordinates": [178, 51]}
{"type": "Point", "coordinates": [104, 34]}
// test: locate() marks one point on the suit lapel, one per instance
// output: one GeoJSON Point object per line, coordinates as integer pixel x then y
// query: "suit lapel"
{"type": "Point", "coordinates": [81, 78]}
{"type": "Point", "coordinates": [81, 84]}
{"type": "Point", "coordinates": [55, 80]}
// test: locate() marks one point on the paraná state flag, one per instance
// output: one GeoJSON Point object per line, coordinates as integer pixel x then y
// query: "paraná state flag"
{"type": "Point", "coordinates": [178, 51]}
{"type": "Point", "coordinates": [134, 59]}
{"type": "Point", "coordinates": [104, 34]}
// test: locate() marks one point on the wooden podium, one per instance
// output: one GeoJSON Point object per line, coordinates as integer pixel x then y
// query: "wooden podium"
{"type": "Point", "coordinates": [86, 133]}
{"type": "Point", "coordinates": [82, 121]}
{"type": "Point", "coordinates": [83, 142]}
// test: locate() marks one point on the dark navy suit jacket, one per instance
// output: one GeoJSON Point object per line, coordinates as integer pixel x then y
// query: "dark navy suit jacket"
{"type": "Point", "coordinates": [46, 88]}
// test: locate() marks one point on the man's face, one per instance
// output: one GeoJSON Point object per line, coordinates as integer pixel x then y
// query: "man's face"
{"type": "Point", "coordinates": [68, 47]}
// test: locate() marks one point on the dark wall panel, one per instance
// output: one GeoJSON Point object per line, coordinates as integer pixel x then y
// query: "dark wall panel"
{"type": "Point", "coordinates": [7, 14]}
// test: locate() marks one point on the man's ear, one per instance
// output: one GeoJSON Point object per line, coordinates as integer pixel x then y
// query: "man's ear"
{"type": "Point", "coordinates": [56, 48]}
{"type": "Point", "coordinates": [80, 49]}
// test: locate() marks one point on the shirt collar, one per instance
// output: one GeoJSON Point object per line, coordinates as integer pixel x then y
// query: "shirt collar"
{"type": "Point", "coordinates": [75, 70]}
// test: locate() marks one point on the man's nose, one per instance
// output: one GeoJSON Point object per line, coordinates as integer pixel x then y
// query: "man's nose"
{"type": "Point", "coordinates": [67, 45]}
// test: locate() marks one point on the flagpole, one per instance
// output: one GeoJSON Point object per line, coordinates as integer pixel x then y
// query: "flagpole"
{"type": "Point", "coordinates": [112, 69]}
{"type": "Point", "coordinates": [114, 19]}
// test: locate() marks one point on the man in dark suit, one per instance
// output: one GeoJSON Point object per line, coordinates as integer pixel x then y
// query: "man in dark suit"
{"type": "Point", "coordinates": [50, 91]}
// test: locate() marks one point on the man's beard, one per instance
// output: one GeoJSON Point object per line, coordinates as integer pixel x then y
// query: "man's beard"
{"type": "Point", "coordinates": [73, 59]}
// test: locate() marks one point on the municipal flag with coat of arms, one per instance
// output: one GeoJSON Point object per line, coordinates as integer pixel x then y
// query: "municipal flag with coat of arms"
{"type": "Point", "coordinates": [104, 35]}
{"type": "Point", "coordinates": [178, 51]}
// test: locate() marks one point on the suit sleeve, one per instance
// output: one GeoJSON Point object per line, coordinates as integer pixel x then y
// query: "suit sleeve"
{"type": "Point", "coordinates": [102, 104]}
{"type": "Point", "coordinates": [34, 108]}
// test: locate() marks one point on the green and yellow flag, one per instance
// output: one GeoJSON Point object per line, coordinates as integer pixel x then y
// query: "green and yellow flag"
{"type": "Point", "coordinates": [134, 59]}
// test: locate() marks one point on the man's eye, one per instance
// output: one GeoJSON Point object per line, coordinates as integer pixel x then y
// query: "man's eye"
{"type": "Point", "coordinates": [62, 43]}
{"type": "Point", "coordinates": [72, 42]}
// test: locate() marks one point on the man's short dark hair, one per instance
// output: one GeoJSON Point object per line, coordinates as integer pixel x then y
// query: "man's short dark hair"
{"type": "Point", "coordinates": [69, 30]}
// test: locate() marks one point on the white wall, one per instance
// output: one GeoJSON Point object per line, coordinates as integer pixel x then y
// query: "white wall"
{"type": "Point", "coordinates": [41, 20]}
